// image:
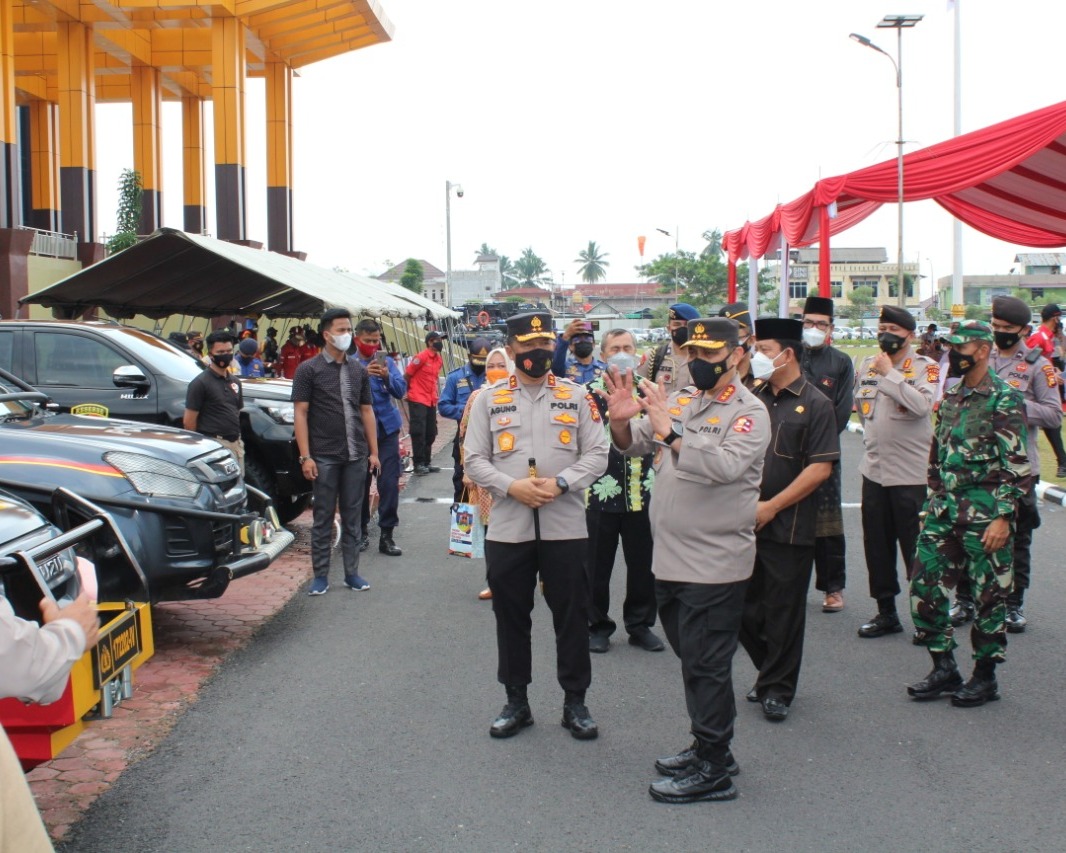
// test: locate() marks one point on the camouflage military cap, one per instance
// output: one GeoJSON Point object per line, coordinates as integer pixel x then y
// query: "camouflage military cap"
{"type": "Point", "coordinates": [971, 330]}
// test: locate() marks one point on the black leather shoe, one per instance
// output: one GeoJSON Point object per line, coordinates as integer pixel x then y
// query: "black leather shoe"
{"type": "Point", "coordinates": [514, 717]}
{"type": "Point", "coordinates": [752, 695]}
{"type": "Point", "coordinates": [881, 624]}
{"type": "Point", "coordinates": [962, 611]}
{"type": "Point", "coordinates": [774, 709]}
{"type": "Point", "coordinates": [364, 543]}
{"type": "Point", "coordinates": [978, 690]}
{"type": "Point", "coordinates": [700, 782]}
{"type": "Point", "coordinates": [387, 546]}
{"type": "Point", "coordinates": [673, 764]}
{"type": "Point", "coordinates": [577, 718]}
{"type": "Point", "coordinates": [1060, 472]}
{"type": "Point", "coordinates": [421, 470]}
{"type": "Point", "coordinates": [647, 640]}
{"type": "Point", "coordinates": [599, 643]}
{"type": "Point", "coordinates": [944, 678]}
{"type": "Point", "coordinates": [432, 469]}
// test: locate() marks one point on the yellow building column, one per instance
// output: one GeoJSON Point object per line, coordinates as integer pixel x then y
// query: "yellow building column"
{"type": "Point", "coordinates": [194, 194]}
{"type": "Point", "coordinates": [10, 195]}
{"type": "Point", "coordinates": [146, 92]}
{"type": "Point", "coordinates": [44, 177]}
{"type": "Point", "coordinates": [228, 72]}
{"type": "Point", "coordinates": [74, 55]}
{"type": "Point", "coordinates": [279, 156]}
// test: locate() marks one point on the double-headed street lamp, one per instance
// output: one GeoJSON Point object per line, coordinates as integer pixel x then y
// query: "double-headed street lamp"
{"type": "Point", "coordinates": [898, 23]}
{"type": "Point", "coordinates": [448, 187]}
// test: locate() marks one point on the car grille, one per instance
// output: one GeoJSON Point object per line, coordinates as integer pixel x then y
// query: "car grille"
{"type": "Point", "coordinates": [223, 536]}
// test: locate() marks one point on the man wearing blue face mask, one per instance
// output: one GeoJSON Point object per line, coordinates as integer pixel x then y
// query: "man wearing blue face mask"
{"type": "Point", "coordinates": [617, 508]}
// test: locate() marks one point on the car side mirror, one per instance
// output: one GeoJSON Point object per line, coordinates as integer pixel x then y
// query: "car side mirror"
{"type": "Point", "coordinates": [129, 376]}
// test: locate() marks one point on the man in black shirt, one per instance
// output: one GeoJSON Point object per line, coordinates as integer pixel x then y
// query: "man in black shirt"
{"type": "Point", "coordinates": [213, 400]}
{"type": "Point", "coordinates": [337, 436]}
{"type": "Point", "coordinates": [803, 447]}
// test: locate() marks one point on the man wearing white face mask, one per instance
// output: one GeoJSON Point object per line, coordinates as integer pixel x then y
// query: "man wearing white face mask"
{"type": "Point", "coordinates": [832, 373]}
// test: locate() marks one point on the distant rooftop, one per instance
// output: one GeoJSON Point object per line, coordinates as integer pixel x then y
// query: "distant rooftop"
{"type": "Point", "coordinates": [1041, 259]}
{"type": "Point", "coordinates": [843, 255]}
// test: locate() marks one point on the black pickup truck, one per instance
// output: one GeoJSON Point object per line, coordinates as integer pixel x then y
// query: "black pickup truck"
{"type": "Point", "coordinates": [100, 368]}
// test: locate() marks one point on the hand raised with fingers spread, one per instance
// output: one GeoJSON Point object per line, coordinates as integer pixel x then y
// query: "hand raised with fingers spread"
{"type": "Point", "coordinates": [618, 394]}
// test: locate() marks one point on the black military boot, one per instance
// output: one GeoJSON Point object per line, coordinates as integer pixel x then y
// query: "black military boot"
{"type": "Point", "coordinates": [515, 715]}
{"type": "Point", "coordinates": [962, 611]}
{"type": "Point", "coordinates": [673, 764]}
{"type": "Point", "coordinates": [577, 718]}
{"type": "Point", "coordinates": [386, 545]}
{"type": "Point", "coordinates": [981, 687]}
{"type": "Point", "coordinates": [885, 622]}
{"type": "Point", "coordinates": [945, 678]}
{"type": "Point", "coordinates": [707, 778]}
{"type": "Point", "coordinates": [1016, 620]}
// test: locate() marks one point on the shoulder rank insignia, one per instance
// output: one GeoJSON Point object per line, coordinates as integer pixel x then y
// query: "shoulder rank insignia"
{"type": "Point", "coordinates": [907, 364]}
{"type": "Point", "coordinates": [505, 440]}
{"type": "Point", "coordinates": [564, 418]}
{"type": "Point", "coordinates": [565, 436]}
{"type": "Point", "coordinates": [594, 410]}
{"type": "Point", "coordinates": [512, 383]}
{"type": "Point", "coordinates": [742, 424]}
{"type": "Point", "coordinates": [1049, 372]}
{"type": "Point", "coordinates": [728, 392]}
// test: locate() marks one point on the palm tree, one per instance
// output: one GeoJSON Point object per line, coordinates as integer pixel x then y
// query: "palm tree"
{"type": "Point", "coordinates": [592, 264]}
{"type": "Point", "coordinates": [485, 250]}
{"type": "Point", "coordinates": [529, 267]}
{"type": "Point", "coordinates": [714, 243]}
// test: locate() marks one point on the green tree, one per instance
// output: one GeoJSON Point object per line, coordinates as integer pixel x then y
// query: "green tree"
{"type": "Point", "coordinates": [592, 262]}
{"type": "Point", "coordinates": [130, 193]}
{"type": "Point", "coordinates": [529, 267]}
{"type": "Point", "coordinates": [977, 312]}
{"type": "Point", "coordinates": [484, 249]}
{"type": "Point", "coordinates": [861, 300]}
{"type": "Point", "coordinates": [937, 315]}
{"type": "Point", "coordinates": [413, 275]}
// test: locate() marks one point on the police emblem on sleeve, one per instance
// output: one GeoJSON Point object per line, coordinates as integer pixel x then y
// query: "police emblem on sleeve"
{"type": "Point", "coordinates": [743, 425]}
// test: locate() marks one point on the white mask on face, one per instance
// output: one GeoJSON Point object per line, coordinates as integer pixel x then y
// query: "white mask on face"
{"type": "Point", "coordinates": [342, 342]}
{"type": "Point", "coordinates": [762, 366]}
{"type": "Point", "coordinates": [813, 337]}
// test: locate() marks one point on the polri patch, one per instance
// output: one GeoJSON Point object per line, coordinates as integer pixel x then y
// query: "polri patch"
{"type": "Point", "coordinates": [742, 424]}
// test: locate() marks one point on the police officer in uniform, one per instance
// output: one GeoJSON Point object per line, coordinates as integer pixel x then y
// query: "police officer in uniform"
{"type": "Point", "coordinates": [709, 441]}
{"type": "Point", "coordinates": [832, 373]}
{"type": "Point", "coordinates": [669, 363]}
{"type": "Point", "coordinates": [745, 337]}
{"type": "Point", "coordinates": [894, 394]}
{"type": "Point", "coordinates": [575, 354]}
{"type": "Point", "coordinates": [978, 470]}
{"type": "Point", "coordinates": [458, 386]}
{"type": "Point", "coordinates": [537, 524]}
{"type": "Point", "coordinates": [1027, 371]}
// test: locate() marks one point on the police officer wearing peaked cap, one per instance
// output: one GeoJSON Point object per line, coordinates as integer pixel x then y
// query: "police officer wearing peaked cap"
{"type": "Point", "coordinates": [538, 524]}
{"type": "Point", "coordinates": [738, 311]}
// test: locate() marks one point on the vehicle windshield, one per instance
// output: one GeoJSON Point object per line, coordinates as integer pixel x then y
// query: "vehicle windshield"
{"type": "Point", "coordinates": [167, 358]}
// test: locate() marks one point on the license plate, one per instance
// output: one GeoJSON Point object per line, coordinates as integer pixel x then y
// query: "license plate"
{"type": "Point", "coordinates": [120, 643]}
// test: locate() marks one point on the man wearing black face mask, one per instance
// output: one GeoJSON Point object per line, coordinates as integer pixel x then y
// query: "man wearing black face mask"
{"type": "Point", "coordinates": [669, 362]}
{"type": "Point", "coordinates": [213, 400]}
{"type": "Point", "coordinates": [581, 365]}
{"type": "Point", "coordinates": [458, 386]}
{"type": "Point", "coordinates": [894, 393]}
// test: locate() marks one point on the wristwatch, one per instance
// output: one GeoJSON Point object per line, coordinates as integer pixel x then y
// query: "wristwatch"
{"type": "Point", "coordinates": [675, 433]}
{"type": "Point", "coordinates": [564, 486]}
{"type": "Point", "coordinates": [303, 459]}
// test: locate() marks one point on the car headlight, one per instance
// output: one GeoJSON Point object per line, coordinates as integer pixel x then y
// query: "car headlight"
{"type": "Point", "coordinates": [151, 476]}
{"type": "Point", "coordinates": [279, 411]}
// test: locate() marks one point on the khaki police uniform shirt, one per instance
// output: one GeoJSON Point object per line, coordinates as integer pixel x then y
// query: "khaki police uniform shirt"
{"type": "Point", "coordinates": [1039, 386]}
{"type": "Point", "coordinates": [896, 414]}
{"type": "Point", "coordinates": [673, 371]}
{"type": "Point", "coordinates": [555, 422]}
{"type": "Point", "coordinates": [703, 501]}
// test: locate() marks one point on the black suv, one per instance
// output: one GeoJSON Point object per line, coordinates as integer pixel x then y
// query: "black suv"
{"type": "Point", "coordinates": [100, 368]}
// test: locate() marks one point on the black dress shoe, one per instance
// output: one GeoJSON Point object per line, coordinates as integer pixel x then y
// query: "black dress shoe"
{"type": "Point", "coordinates": [881, 624]}
{"type": "Point", "coordinates": [978, 690]}
{"type": "Point", "coordinates": [421, 470]}
{"type": "Point", "coordinates": [388, 547]}
{"type": "Point", "coordinates": [577, 718]}
{"type": "Point", "coordinates": [599, 643]}
{"type": "Point", "coordinates": [701, 782]}
{"type": "Point", "coordinates": [514, 717]}
{"type": "Point", "coordinates": [752, 695]}
{"type": "Point", "coordinates": [774, 709]}
{"type": "Point", "coordinates": [962, 611]}
{"type": "Point", "coordinates": [647, 640]}
{"type": "Point", "coordinates": [944, 678]}
{"type": "Point", "coordinates": [432, 469]}
{"type": "Point", "coordinates": [673, 764]}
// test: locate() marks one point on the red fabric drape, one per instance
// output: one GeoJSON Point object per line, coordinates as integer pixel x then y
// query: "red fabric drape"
{"type": "Point", "coordinates": [732, 280]}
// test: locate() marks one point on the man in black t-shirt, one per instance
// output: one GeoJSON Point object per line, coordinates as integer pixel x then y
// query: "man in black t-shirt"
{"type": "Point", "coordinates": [213, 400]}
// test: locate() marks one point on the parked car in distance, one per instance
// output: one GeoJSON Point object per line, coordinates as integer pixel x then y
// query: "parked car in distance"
{"type": "Point", "coordinates": [117, 371]}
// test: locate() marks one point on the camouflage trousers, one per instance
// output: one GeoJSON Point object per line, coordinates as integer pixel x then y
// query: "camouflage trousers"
{"type": "Point", "coordinates": [947, 551]}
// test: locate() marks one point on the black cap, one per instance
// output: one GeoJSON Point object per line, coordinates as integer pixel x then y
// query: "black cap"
{"type": "Point", "coordinates": [900, 316]}
{"type": "Point", "coordinates": [818, 305]}
{"type": "Point", "coordinates": [737, 311]}
{"type": "Point", "coordinates": [1012, 310]}
{"type": "Point", "coordinates": [1050, 310]}
{"type": "Point", "coordinates": [479, 350]}
{"type": "Point", "coordinates": [712, 333]}
{"type": "Point", "coordinates": [433, 336]}
{"type": "Point", "coordinates": [778, 329]}
{"type": "Point", "coordinates": [532, 324]}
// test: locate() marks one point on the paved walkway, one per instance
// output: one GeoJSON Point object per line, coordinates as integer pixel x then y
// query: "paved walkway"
{"type": "Point", "coordinates": [192, 640]}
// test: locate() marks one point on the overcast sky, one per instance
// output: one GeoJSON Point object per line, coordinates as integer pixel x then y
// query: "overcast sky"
{"type": "Point", "coordinates": [574, 120]}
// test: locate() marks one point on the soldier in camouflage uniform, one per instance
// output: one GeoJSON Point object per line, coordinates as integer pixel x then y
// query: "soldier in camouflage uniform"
{"type": "Point", "coordinates": [977, 471]}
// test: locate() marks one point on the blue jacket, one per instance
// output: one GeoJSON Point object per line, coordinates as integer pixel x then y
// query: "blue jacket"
{"type": "Point", "coordinates": [458, 386]}
{"type": "Point", "coordinates": [253, 369]}
{"type": "Point", "coordinates": [564, 364]}
{"type": "Point", "coordinates": [382, 394]}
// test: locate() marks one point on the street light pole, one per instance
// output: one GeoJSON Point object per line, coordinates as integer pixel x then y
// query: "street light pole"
{"type": "Point", "coordinates": [448, 187]}
{"type": "Point", "coordinates": [898, 23]}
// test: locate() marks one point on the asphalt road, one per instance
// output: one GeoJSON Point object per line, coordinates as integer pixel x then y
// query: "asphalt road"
{"type": "Point", "coordinates": [359, 721]}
